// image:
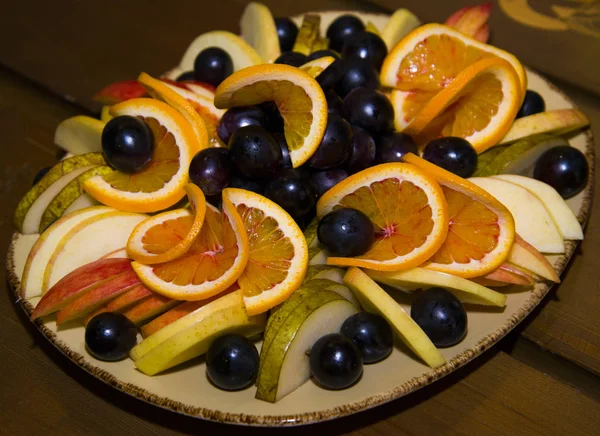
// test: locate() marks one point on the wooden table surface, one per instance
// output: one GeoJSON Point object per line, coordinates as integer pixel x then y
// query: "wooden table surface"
{"type": "Point", "coordinates": [541, 379]}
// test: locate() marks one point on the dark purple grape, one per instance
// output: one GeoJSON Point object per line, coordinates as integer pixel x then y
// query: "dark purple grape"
{"type": "Point", "coordinates": [325, 180]}
{"type": "Point", "coordinates": [232, 362]}
{"type": "Point", "coordinates": [334, 103]}
{"type": "Point", "coordinates": [454, 154]}
{"type": "Point", "coordinates": [254, 152]}
{"type": "Point", "coordinates": [346, 232]}
{"type": "Point", "coordinates": [335, 362]}
{"type": "Point", "coordinates": [342, 28]}
{"type": "Point", "coordinates": [367, 46]}
{"type": "Point", "coordinates": [187, 76]}
{"type": "Point", "coordinates": [213, 65]}
{"type": "Point", "coordinates": [321, 54]}
{"type": "Point", "coordinates": [294, 191]}
{"type": "Point", "coordinates": [355, 73]}
{"type": "Point", "coordinates": [564, 168]}
{"type": "Point", "coordinates": [274, 120]}
{"type": "Point", "coordinates": [532, 104]}
{"type": "Point", "coordinates": [210, 169]}
{"type": "Point", "coordinates": [110, 336]}
{"type": "Point", "coordinates": [372, 335]}
{"type": "Point", "coordinates": [441, 315]}
{"type": "Point", "coordinates": [40, 174]}
{"type": "Point", "coordinates": [238, 117]}
{"type": "Point", "coordinates": [392, 146]}
{"type": "Point", "coordinates": [330, 75]}
{"type": "Point", "coordinates": [286, 161]}
{"type": "Point", "coordinates": [127, 144]}
{"type": "Point", "coordinates": [247, 184]}
{"type": "Point", "coordinates": [370, 110]}
{"type": "Point", "coordinates": [287, 31]}
{"type": "Point", "coordinates": [335, 145]}
{"type": "Point", "coordinates": [292, 58]}
{"type": "Point", "coordinates": [362, 152]}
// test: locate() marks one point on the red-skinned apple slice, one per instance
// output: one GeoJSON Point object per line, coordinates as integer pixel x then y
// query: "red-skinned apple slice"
{"type": "Point", "coordinates": [510, 275]}
{"type": "Point", "coordinates": [472, 21]}
{"type": "Point", "coordinates": [149, 308]}
{"type": "Point", "coordinates": [97, 296]}
{"type": "Point", "coordinates": [526, 257]}
{"type": "Point", "coordinates": [78, 282]}
{"type": "Point", "coordinates": [123, 301]}
{"type": "Point", "coordinates": [173, 315]}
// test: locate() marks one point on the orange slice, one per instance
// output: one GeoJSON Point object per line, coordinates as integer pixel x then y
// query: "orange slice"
{"type": "Point", "coordinates": [479, 104]}
{"type": "Point", "coordinates": [481, 229]}
{"type": "Point", "coordinates": [212, 263]}
{"type": "Point", "coordinates": [159, 238]}
{"type": "Point", "coordinates": [317, 66]}
{"type": "Point", "coordinates": [161, 184]}
{"type": "Point", "coordinates": [278, 253]}
{"type": "Point", "coordinates": [298, 97]}
{"type": "Point", "coordinates": [407, 208]}
{"type": "Point", "coordinates": [160, 91]}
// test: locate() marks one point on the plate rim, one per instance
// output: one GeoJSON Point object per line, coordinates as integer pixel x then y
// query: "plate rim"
{"type": "Point", "coordinates": [537, 295]}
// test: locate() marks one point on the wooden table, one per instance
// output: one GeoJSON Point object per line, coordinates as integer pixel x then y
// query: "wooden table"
{"type": "Point", "coordinates": [541, 379]}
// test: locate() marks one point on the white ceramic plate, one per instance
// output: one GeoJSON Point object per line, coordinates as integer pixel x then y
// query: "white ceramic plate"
{"type": "Point", "coordinates": [186, 390]}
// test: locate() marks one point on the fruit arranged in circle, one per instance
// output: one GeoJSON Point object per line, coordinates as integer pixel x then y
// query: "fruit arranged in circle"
{"type": "Point", "coordinates": [453, 154]}
{"type": "Point", "coordinates": [212, 263]}
{"type": "Point", "coordinates": [481, 229]}
{"type": "Point", "coordinates": [258, 29]}
{"type": "Point", "coordinates": [372, 335]}
{"type": "Point", "coordinates": [278, 254]}
{"type": "Point", "coordinates": [335, 145]}
{"type": "Point", "coordinates": [335, 361]}
{"type": "Point", "coordinates": [238, 117]}
{"type": "Point", "coordinates": [292, 58]}
{"type": "Point", "coordinates": [407, 208]}
{"type": "Point", "coordinates": [367, 46]}
{"type": "Point", "coordinates": [564, 168]}
{"type": "Point", "coordinates": [254, 152]}
{"type": "Point", "coordinates": [533, 103]}
{"type": "Point", "coordinates": [298, 97]}
{"type": "Point", "coordinates": [286, 32]}
{"type": "Point", "coordinates": [346, 232]}
{"type": "Point", "coordinates": [232, 362]}
{"type": "Point", "coordinates": [210, 169]}
{"type": "Point", "coordinates": [392, 146]}
{"type": "Point", "coordinates": [212, 66]}
{"type": "Point", "coordinates": [110, 336]}
{"type": "Point", "coordinates": [294, 191]}
{"type": "Point", "coordinates": [325, 180]}
{"type": "Point", "coordinates": [370, 110]}
{"type": "Point", "coordinates": [342, 28]}
{"type": "Point", "coordinates": [352, 74]}
{"type": "Point", "coordinates": [168, 235]}
{"type": "Point", "coordinates": [441, 316]}
{"type": "Point", "coordinates": [127, 144]}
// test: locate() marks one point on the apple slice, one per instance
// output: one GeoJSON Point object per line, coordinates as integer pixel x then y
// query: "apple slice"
{"type": "Point", "coordinates": [79, 134]}
{"type": "Point", "coordinates": [559, 210]}
{"type": "Point", "coordinates": [374, 299]}
{"type": "Point", "coordinates": [557, 122]}
{"type": "Point", "coordinates": [149, 307]}
{"type": "Point", "coordinates": [527, 257]}
{"type": "Point", "coordinates": [325, 272]}
{"type": "Point", "coordinates": [78, 282]}
{"type": "Point", "coordinates": [97, 296]}
{"type": "Point", "coordinates": [89, 240]}
{"type": "Point", "coordinates": [285, 362]}
{"type": "Point", "coordinates": [31, 207]}
{"type": "Point", "coordinates": [41, 252]}
{"type": "Point", "coordinates": [122, 302]}
{"type": "Point", "coordinates": [533, 222]}
{"type": "Point", "coordinates": [511, 275]}
{"type": "Point", "coordinates": [193, 334]}
{"type": "Point", "coordinates": [419, 278]}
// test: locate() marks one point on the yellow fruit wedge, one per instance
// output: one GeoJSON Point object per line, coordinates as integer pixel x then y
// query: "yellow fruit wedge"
{"type": "Point", "coordinates": [258, 29]}
{"type": "Point", "coordinates": [556, 122]}
{"type": "Point", "coordinates": [400, 23]}
{"type": "Point", "coordinates": [80, 134]}
{"type": "Point", "coordinates": [308, 34]}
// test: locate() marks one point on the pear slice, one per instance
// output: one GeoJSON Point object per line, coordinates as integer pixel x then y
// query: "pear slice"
{"type": "Point", "coordinates": [532, 219]}
{"type": "Point", "coordinates": [316, 254]}
{"type": "Point", "coordinates": [399, 24]}
{"type": "Point", "coordinates": [559, 210]}
{"type": "Point", "coordinates": [207, 323]}
{"type": "Point", "coordinates": [374, 299]}
{"type": "Point", "coordinates": [31, 207]}
{"type": "Point", "coordinates": [82, 202]}
{"type": "Point", "coordinates": [68, 195]}
{"type": "Point", "coordinates": [418, 278]}
{"type": "Point", "coordinates": [556, 122]}
{"type": "Point", "coordinates": [44, 247]}
{"type": "Point", "coordinates": [285, 362]}
{"type": "Point", "coordinates": [333, 273]}
{"type": "Point", "coordinates": [80, 134]}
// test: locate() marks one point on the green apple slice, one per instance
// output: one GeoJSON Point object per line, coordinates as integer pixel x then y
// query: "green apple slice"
{"type": "Point", "coordinates": [68, 195]}
{"type": "Point", "coordinates": [285, 361]}
{"type": "Point", "coordinates": [80, 134]}
{"type": "Point", "coordinates": [374, 299]}
{"type": "Point", "coordinates": [333, 273]}
{"type": "Point", "coordinates": [32, 206]}
{"type": "Point", "coordinates": [418, 278]}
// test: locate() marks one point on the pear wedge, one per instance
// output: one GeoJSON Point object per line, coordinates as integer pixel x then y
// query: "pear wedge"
{"type": "Point", "coordinates": [399, 24]}
{"type": "Point", "coordinates": [374, 299]}
{"type": "Point", "coordinates": [556, 122]}
{"type": "Point", "coordinates": [333, 273]}
{"type": "Point", "coordinates": [284, 361]}
{"type": "Point", "coordinates": [418, 278]}
{"type": "Point", "coordinates": [80, 134]}
{"type": "Point", "coordinates": [32, 206]}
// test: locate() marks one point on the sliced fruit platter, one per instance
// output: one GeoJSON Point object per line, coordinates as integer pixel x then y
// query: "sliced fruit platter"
{"type": "Point", "coordinates": [310, 219]}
